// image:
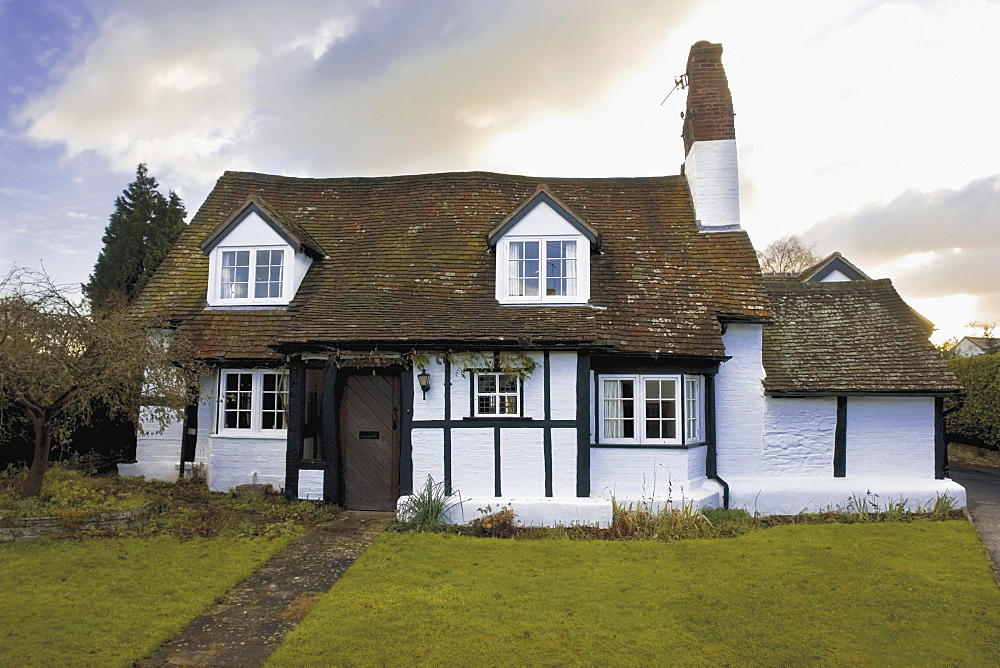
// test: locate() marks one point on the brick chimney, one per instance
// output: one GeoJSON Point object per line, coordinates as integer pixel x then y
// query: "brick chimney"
{"type": "Point", "coordinates": [710, 141]}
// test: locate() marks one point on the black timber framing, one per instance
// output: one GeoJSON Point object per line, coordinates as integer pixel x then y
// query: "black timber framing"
{"type": "Point", "coordinates": [405, 437]}
{"type": "Point", "coordinates": [583, 424]}
{"type": "Point", "coordinates": [940, 447]}
{"type": "Point", "coordinates": [333, 478]}
{"type": "Point", "coordinates": [296, 418]}
{"type": "Point", "coordinates": [840, 440]}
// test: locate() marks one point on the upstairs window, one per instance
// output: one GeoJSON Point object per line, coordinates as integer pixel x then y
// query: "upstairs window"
{"type": "Point", "coordinates": [497, 394]}
{"type": "Point", "coordinates": [253, 401]}
{"type": "Point", "coordinates": [542, 270]}
{"type": "Point", "coordinates": [249, 273]}
{"type": "Point", "coordinates": [651, 409]}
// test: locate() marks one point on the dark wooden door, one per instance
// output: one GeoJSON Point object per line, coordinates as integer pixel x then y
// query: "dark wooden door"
{"type": "Point", "coordinates": [369, 432]}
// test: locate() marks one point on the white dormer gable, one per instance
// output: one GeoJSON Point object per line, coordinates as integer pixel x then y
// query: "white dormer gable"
{"type": "Point", "coordinates": [255, 260]}
{"type": "Point", "coordinates": [543, 254]}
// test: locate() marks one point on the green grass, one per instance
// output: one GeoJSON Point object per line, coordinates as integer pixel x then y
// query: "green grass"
{"type": "Point", "coordinates": [112, 602]}
{"type": "Point", "coordinates": [882, 594]}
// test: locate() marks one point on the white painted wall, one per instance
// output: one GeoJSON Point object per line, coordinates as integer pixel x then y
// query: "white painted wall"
{"type": "Point", "coordinates": [739, 403]}
{"type": "Point", "coordinates": [836, 276]}
{"type": "Point", "coordinates": [966, 348]}
{"type": "Point", "coordinates": [635, 474]}
{"type": "Point", "coordinates": [158, 455]}
{"type": "Point", "coordinates": [712, 173]}
{"type": "Point", "coordinates": [522, 463]}
{"type": "Point", "coordinates": [562, 366]}
{"type": "Point", "coordinates": [563, 462]}
{"type": "Point", "coordinates": [543, 220]}
{"type": "Point", "coordinates": [890, 437]}
{"type": "Point", "coordinates": [311, 484]}
{"type": "Point", "coordinates": [799, 436]}
{"type": "Point", "coordinates": [534, 389]}
{"type": "Point", "coordinates": [428, 456]}
{"type": "Point", "coordinates": [431, 405]}
{"type": "Point", "coordinates": [240, 461]}
{"type": "Point", "coordinates": [472, 461]}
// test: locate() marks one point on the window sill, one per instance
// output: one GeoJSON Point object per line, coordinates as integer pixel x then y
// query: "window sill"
{"type": "Point", "coordinates": [281, 435]}
{"type": "Point", "coordinates": [493, 418]}
{"type": "Point", "coordinates": [651, 446]}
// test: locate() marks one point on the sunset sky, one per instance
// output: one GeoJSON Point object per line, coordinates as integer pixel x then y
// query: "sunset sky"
{"type": "Point", "coordinates": [865, 127]}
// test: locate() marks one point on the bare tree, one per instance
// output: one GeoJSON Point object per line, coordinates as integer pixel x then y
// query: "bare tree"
{"type": "Point", "coordinates": [57, 358]}
{"type": "Point", "coordinates": [787, 255]}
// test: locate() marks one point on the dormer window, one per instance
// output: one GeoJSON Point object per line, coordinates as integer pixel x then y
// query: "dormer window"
{"type": "Point", "coordinates": [543, 254]}
{"type": "Point", "coordinates": [256, 258]}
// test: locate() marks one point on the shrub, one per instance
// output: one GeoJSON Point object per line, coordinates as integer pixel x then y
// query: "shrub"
{"type": "Point", "coordinates": [978, 419]}
{"type": "Point", "coordinates": [499, 524]}
{"type": "Point", "coordinates": [426, 509]}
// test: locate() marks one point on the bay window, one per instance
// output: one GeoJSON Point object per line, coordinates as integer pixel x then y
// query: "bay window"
{"type": "Point", "coordinates": [650, 409]}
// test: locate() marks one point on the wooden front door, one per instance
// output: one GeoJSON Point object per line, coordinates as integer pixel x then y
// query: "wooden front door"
{"type": "Point", "coordinates": [369, 433]}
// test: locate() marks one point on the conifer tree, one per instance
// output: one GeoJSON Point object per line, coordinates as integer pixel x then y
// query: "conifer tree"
{"type": "Point", "coordinates": [140, 232]}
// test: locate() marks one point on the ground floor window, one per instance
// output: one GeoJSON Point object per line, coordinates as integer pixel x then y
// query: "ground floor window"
{"type": "Point", "coordinates": [497, 394]}
{"type": "Point", "coordinates": [253, 401]}
{"type": "Point", "coordinates": [651, 409]}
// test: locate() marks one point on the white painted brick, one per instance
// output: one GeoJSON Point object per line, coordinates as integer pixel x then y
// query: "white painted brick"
{"type": "Point", "coordinates": [428, 456]}
{"type": "Point", "coordinates": [739, 403]}
{"type": "Point", "coordinates": [799, 436]}
{"type": "Point", "coordinates": [461, 386]}
{"type": "Point", "coordinates": [472, 463]}
{"type": "Point", "coordinates": [311, 484]}
{"type": "Point", "coordinates": [431, 405]}
{"type": "Point", "coordinates": [534, 389]}
{"type": "Point", "coordinates": [890, 436]}
{"type": "Point", "coordinates": [562, 366]}
{"type": "Point", "coordinates": [522, 462]}
{"type": "Point", "coordinates": [564, 462]}
{"type": "Point", "coordinates": [645, 473]}
{"type": "Point", "coordinates": [712, 173]}
{"type": "Point", "coordinates": [238, 461]}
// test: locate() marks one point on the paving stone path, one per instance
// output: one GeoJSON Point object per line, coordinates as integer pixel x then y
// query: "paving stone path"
{"type": "Point", "coordinates": [254, 617]}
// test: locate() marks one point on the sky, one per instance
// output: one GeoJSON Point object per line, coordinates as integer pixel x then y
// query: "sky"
{"type": "Point", "coordinates": [869, 128]}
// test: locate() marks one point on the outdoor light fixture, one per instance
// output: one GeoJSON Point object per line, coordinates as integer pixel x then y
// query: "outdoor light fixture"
{"type": "Point", "coordinates": [424, 379]}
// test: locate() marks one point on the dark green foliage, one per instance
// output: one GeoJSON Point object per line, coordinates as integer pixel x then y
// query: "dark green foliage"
{"type": "Point", "coordinates": [978, 419]}
{"type": "Point", "coordinates": [139, 234]}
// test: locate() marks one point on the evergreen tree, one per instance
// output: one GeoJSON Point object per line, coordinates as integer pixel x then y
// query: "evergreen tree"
{"type": "Point", "coordinates": [140, 232]}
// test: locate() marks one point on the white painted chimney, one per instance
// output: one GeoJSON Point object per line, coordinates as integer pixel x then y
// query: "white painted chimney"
{"type": "Point", "coordinates": [710, 141]}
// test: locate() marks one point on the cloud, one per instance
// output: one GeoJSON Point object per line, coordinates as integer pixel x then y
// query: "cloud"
{"type": "Point", "coordinates": [916, 222]}
{"type": "Point", "coordinates": [934, 245]}
{"type": "Point", "coordinates": [333, 88]}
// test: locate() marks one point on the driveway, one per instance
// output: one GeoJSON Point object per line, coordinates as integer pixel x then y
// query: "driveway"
{"type": "Point", "coordinates": [982, 485]}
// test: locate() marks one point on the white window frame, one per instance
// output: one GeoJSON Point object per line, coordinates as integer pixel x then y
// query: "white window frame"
{"type": "Point", "coordinates": [215, 287]}
{"type": "Point", "coordinates": [682, 384]}
{"type": "Point", "coordinates": [256, 429]}
{"type": "Point", "coordinates": [497, 394]}
{"type": "Point", "coordinates": [582, 295]}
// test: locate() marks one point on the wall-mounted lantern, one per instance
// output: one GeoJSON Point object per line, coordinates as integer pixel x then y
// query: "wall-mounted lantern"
{"type": "Point", "coordinates": [424, 379]}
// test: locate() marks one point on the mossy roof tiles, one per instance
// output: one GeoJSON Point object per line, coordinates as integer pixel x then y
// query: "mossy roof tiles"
{"type": "Point", "coordinates": [408, 262]}
{"type": "Point", "coordinates": [849, 337]}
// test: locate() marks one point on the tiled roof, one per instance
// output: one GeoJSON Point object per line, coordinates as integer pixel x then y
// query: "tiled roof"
{"type": "Point", "coordinates": [408, 263]}
{"type": "Point", "coordinates": [856, 336]}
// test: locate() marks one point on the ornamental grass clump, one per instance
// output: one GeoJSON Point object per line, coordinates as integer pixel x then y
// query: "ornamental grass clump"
{"type": "Point", "coordinates": [424, 510]}
{"type": "Point", "coordinates": [642, 520]}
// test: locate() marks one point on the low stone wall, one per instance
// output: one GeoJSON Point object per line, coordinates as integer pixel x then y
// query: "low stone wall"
{"type": "Point", "coordinates": [959, 453]}
{"type": "Point", "coordinates": [29, 528]}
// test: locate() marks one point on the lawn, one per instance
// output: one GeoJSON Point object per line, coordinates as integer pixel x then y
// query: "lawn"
{"type": "Point", "coordinates": [111, 602]}
{"type": "Point", "coordinates": [883, 594]}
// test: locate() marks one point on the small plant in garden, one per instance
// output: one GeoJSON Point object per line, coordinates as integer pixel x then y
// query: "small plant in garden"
{"type": "Point", "coordinates": [426, 509]}
{"type": "Point", "coordinates": [641, 520]}
{"type": "Point", "coordinates": [499, 524]}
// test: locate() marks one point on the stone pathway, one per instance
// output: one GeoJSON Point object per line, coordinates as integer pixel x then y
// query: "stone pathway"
{"type": "Point", "coordinates": [254, 617]}
{"type": "Point", "coordinates": [982, 485]}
